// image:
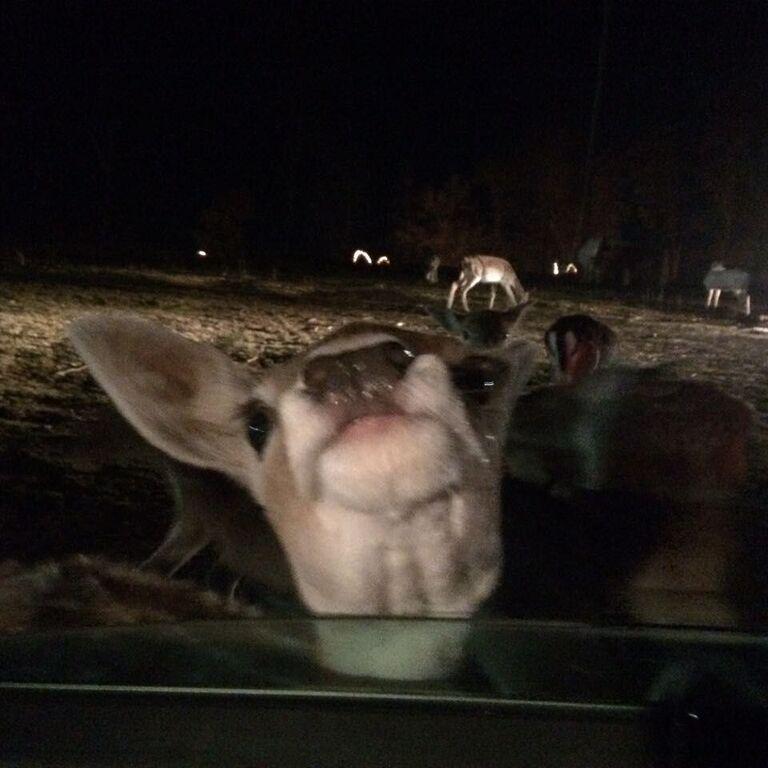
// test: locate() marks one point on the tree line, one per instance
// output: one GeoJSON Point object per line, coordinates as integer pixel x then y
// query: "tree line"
{"type": "Point", "coordinates": [664, 202]}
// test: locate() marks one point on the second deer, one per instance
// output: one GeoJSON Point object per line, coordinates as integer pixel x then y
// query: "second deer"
{"type": "Point", "coordinates": [495, 271]}
{"type": "Point", "coordinates": [735, 281]}
{"type": "Point", "coordinates": [640, 441]}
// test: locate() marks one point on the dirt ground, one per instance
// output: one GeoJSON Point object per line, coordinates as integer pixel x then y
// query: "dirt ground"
{"type": "Point", "coordinates": [71, 484]}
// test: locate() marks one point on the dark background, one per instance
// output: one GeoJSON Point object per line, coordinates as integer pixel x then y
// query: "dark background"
{"type": "Point", "coordinates": [294, 132]}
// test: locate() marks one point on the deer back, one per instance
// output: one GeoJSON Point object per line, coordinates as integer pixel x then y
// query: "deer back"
{"type": "Point", "coordinates": [727, 280]}
{"type": "Point", "coordinates": [680, 440]}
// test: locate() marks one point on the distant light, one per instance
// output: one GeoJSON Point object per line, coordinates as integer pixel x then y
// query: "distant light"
{"type": "Point", "coordinates": [202, 253]}
{"type": "Point", "coordinates": [555, 268]}
{"type": "Point", "coordinates": [572, 268]}
{"type": "Point", "coordinates": [382, 261]}
{"type": "Point", "coordinates": [361, 255]}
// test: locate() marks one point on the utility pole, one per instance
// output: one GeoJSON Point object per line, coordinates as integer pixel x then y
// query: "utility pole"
{"type": "Point", "coordinates": [587, 188]}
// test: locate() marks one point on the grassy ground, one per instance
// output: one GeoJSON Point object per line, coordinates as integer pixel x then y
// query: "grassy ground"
{"type": "Point", "coordinates": [71, 484]}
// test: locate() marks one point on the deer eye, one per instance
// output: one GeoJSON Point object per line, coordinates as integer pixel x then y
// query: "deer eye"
{"type": "Point", "coordinates": [259, 426]}
{"type": "Point", "coordinates": [478, 377]}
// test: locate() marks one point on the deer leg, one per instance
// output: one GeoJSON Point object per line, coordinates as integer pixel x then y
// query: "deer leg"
{"type": "Point", "coordinates": [232, 593]}
{"type": "Point", "coordinates": [747, 304]}
{"type": "Point", "coordinates": [452, 293]}
{"type": "Point", "coordinates": [709, 297]}
{"type": "Point", "coordinates": [493, 295]}
{"type": "Point", "coordinates": [718, 291]}
{"type": "Point", "coordinates": [475, 280]}
{"type": "Point", "coordinates": [511, 295]}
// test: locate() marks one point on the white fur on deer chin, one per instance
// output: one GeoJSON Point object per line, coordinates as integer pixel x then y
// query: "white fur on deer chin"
{"type": "Point", "coordinates": [410, 462]}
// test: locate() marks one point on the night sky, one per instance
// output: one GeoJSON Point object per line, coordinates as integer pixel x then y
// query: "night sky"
{"type": "Point", "coordinates": [154, 112]}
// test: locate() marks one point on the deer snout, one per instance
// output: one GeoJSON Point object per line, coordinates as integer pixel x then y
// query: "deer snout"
{"type": "Point", "coordinates": [367, 371]}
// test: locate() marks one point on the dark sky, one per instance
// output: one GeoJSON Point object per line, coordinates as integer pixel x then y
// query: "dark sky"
{"type": "Point", "coordinates": [158, 108]}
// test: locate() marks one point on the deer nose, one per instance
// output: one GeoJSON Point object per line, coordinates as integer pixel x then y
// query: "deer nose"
{"type": "Point", "coordinates": [368, 370]}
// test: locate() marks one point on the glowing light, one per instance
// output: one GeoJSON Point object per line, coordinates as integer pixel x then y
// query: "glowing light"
{"type": "Point", "coordinates": [382, 261]}
{"type": "Point", "coordinates": [555, 268]}
{"type": "Point", "coordinates": [571, 268]}
{"type": "Point", "coordinates": [358, 254]}
{"type": "Point", "coordinates": [202, 253]}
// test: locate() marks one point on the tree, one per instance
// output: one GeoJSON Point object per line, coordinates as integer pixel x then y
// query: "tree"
{"type": "Point", "coordinates": [733, 179]}
{"type": "Point", "coordinates": [442, 221]}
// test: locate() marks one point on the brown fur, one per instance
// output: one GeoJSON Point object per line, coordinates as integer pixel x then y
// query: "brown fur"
{"type": "Point", "coordinates": [680, 440]}
{"type": "Point", "coordinates": [664, 443]}
{"type": "Point", "coordinates": [83, 591]}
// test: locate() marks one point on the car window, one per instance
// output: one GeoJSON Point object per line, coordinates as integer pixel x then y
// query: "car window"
{"type": "Point", "coordinates": [399, 347]}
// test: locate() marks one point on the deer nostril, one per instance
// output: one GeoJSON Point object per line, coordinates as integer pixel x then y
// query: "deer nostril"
{"type": "Point", "coordinates": [259, 427]}
{"type": "Point", "coordinates": [326, 374]}
{"type": "Point", "coordinates": [398, 356]}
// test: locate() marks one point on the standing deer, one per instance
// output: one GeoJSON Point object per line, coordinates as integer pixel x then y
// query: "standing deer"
{"type": "Point", "coordinates": [735, 281]}
{"type": "Point", "coordinates": [376, 457]}
{"type": "Point", "coordinates": [487, 269]}
{"type": "Point", "coordinates": [432, 273]}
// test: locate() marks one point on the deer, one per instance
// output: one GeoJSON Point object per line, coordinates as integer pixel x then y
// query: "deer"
{"type": "Point", "coordinates": [374, 459]}
{"type": "Point", "coordinates": [436, 267]}
{"type": "Point", "coordinates": [484, 328]}
{"type": "Point", "coordinates": [432, 272]}
{"type": "Point", "coordinates": [493, 270]}
{"type": "Point", "coordinates": [735, 281]}
{"type": "Point", "coordinates": [648, 441]}
{"type": "Point", "coordinates": [608, 414]}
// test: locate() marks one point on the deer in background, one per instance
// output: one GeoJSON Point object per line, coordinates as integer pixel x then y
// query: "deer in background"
{"type": "Point", "coordinates": [482, 328]}
{"type": "Point", "coordinates": [495, 271]}
{"type": "Point", "coordinates": [432, 275]}
{"type": "Point", "coordinates": [376, 457]}
{"type": "Point", "coordinates": [614, 423]}
{"type": "Point", "coordinates": [735, 281]}
{"type": "Point", "coordinates": [653, 440]}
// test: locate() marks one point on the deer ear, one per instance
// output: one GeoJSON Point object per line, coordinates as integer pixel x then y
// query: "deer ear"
{"type": "Point", "coordinates": [185, 398]}
{"type": "Point", "coordinates": [570, 342]}
{"type": "Point", "coordinates": [583, 359]}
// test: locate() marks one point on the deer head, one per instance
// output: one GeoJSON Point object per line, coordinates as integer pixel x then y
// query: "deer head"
{"type": "Point", "coordinates": [577, 345]}
{"type": "Point", "coordinates": [482, 328]}
{"type": "Point", "coordinates": [375, 455]}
